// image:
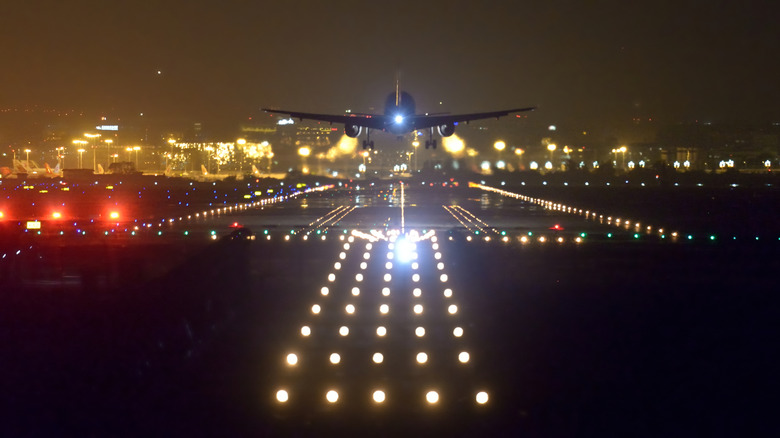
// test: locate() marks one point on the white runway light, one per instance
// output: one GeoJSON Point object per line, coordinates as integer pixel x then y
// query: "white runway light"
{"type": "Point", "coordinates": [305, 331]}
{"type": "Point", "coordinates": [457, 332]}
{"type": "Point", "coordinates": [443, 278]}
{"type": "Point", "coordinates": [332, 396]}
{"type": "Point", "coordinates": [448, 293]}
{"type": "Point", "coordinates": [452, 309]}
{"type": "Point", "coordinates": [463, 357]}
{"type": "Point", "coordinates": [378, 358]}
{"type": "Point", "coordinates": [324, 291]}
{"type": "Point", "coordinates": [355, 291]}
{"type": "Point", "coordinates": [420, 332]}
{"type": "Point", "coordinates": [350, 308]}
{"type": "Point", "coordinates": [379, 396]}
{"type": "Point", "coordinates": [416, 278]}
{"type": "Point", "coordinates": [432, 397]}
{"type": "Point", "coordinates": [381, 331]}
{"type": "Point", "coordinates": [335, 358]}
{"type": "Point", "coordinates": [482, 397]}
{"type": "Point", "coordinates": [282, 396]}
{"type": "Point", "coordinates": [384, 309]}
{"type": "Point", "coordinates": [315, 309]}
{"type": "Point", "coordinates": [386, 291]}
{"type": "Point", "coordinates": [331, 277]}
{"type": "Point", "coordinates": [359, 277]}
{"type": "Point", "coordinates": [422, 358]}
{"type": "Point", "coordinates": [417, 292]}
{"type": "Point", "coordinates": [344, 330]}
{"type": "Point", "coordinates": [292, 359]}
{"type": "Point", "coordinates": [418, 309]}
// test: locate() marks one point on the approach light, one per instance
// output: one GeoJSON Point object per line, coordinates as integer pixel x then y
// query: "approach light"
{"type": "Point", "coordinates": [443, 278]}
{"type": "Point", "coordinates": [418, 309]}
{"type": "Point", "coordinates": [359, 277]}
{"type": "Point", "coordinates": [381, 331]}
{"type": "Point", "coordinates": [415, 277]}
{"type": "Point", "coordinates": [389, 265]}
{"type": "Point", "coordinates": [305, 331]}
{"type": "Point", "coordinates": [386, 291]}
{"type": "Point", "coordinates": [331, 277]}
{"type": "Point", "coordinates": [420, 332]}
{"type": "Point", "coordinates": [114, 215]}
{"type": "Point", "coordinates": [350, 309]}
{"type": "Point", "coordinates": [452, 309]}
{"type": "Point", "coordinates": [355, 291]}
{"type": "Point", "coordinates": [315, 309]}
{"type": "Point", "coordinates": [324, 291]}
{"type": "Point", "coordinates": [448, 292]}
{"type": "Point", "coordinates": [417, 292]}
{"type": "Point", "coordinates": [383, 309]}
{"type": "Point", "coordinates": [56, 215]}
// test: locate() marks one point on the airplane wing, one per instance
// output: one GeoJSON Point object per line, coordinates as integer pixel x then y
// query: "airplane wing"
{"type": "Point", "coordinates": [373, 121]}
{"type": "Point", "coordinates": [423, 121]}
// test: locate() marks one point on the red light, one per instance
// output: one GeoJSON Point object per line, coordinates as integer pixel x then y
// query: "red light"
{"type": "Point", "coordinates": [556, 227]}
{"type": "Point", "coordinates": [2, 215]}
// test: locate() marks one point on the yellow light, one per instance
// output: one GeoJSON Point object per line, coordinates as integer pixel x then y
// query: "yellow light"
{"type": "Point", "coordinates": [114, 215]}
{"type": "Point", "coordinates": [420, 332]}
{"type": "Point", "coordinates": [482, 397]}
{"type": "Point", "coordinates": [432, 397]}
{"type": "Point", "coordinates": [379, 396]}
{"type": "Point", "coordinates": [282, 396]}
{"type": "Point", "coordinates": [335, 358]}
{"type": "Point", "coordinates": [332, 396]}
{"type": "Point", "coordinates": [499, 145]}
{"type": "Point", "coordinates": [418, 309]}
{"type": "Point", "coordinates": [378, 358]}
{"type": "Point", "coordinates": [463, 357]}
{"type": "Point", "coordinates": [551, 147]}
{"type": "Point", "coordinates": [381, 331]}
{"type": "Point", "coordinates": [457, 332]}
{"type": "Point", "coordinates": [56, 215]}
{"type": "Point", "coordinates": [292, 359]}
{"type": "Point", "coordinates": [305, 330]}
{"type": "Point", "coordinates": [422, 358]}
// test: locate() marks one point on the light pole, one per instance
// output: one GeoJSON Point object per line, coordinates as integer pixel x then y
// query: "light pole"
{"type": "Point", "coordinates": [81, 143]}
{"type": "Point", "coordinates": [94, 138]}
{"type": "Point", "coordinates": [81, 152]}
{"type": "Point", "coordinates": [27, 151]}
{"type": "Point", "coordinates": [241, 142]}
{"type": "Point", "coordinates": [415, 145]}
{"type": "Point", "coordinates": [623, 149]}
{"type": "Point", "coordinates": [519, 152]}
{"type": "Point", "coordinates": [551, 147]}
{"type": "Point", "coordinates": [108, 143]}
{"type": "Point", "coordinates": [136, 149]}
{"type": "Point", "coordinates": [304, 152]}
{"type": "Point", "coordinates": [499, 146]}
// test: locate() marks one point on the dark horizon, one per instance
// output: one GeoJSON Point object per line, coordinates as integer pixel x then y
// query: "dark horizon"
{"type": "Point", "coordinates": [593, 65]}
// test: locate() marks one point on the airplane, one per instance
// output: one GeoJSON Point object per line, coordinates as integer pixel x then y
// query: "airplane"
{"type": "Point", "coordinates": [31, 168]}
{"type": "Point", "coordinates": [399, 118]}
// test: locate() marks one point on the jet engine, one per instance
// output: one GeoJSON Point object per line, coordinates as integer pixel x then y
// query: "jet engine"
{"type": "Point", "coordinates": [446, 130]}
{"type": "Point", "coordinates": [352, 130]}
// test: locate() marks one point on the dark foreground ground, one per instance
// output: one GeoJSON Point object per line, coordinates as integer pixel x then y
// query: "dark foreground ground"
{"type": "Point", "coordinates": [612, 338]}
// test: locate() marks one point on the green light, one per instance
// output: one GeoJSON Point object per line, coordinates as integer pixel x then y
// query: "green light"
{"type": "Point", "coordinates": [609, 235]}
{"type": "Point", "coordinates": [690, 237]}
{"type": "Point", "coordinates": [132, 233]}
{"type": "Point", "coordinates": [636, 235]}
{"type": "Point", "coordinates": [712, 237]}
{"type": "Point", "coordinates": [159, 233]}
{"type": "Point", "coordinates": [476, 232]}
{"type": "Point", "coordinates": [106, 233]}
{"type": "Point", "coordinates": [503, 233]}
{"type": "Point", "coordinates": [186, 233]}
{"type": "Point", "coordinates": [39, 232]}
{"type": "Point", "coordinates": [583, 235]}
{"type": "Point", "coordinates": [530, 233]}
{"type": "Point", "coordinates": [318, 231]}
{"type": "Point", "coordinates": [265, 231]}
{"type": "Point", "coordinates": [663, 236]}
{"type": "Point", "coordinates": [213, 233]}
{"type": "Point", "coordinates": [61, 233]}
{"type": "Point", "coordinates": [292, 232]}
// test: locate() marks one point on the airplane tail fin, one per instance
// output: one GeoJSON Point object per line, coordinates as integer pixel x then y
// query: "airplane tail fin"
{"type": "Point", "coordinates": [100, 170]}
{"type": "Point", "coordinates": [203, 170]}
{"type": "Point", "coordinates": [254, 170]}
{"type": "Point", "coordinates": [20, 167]}
{"type": "Point", "coordinates": [167, 170]}
{"type": "Point", "coordinates": [48, 169]}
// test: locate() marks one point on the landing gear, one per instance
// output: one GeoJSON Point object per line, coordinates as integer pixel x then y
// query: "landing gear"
{"type": "Point", "coordinates": [367, 143]}
{"type": "Point", "coordinates": [431, 142]}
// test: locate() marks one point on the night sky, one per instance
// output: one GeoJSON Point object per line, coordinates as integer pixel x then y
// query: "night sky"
{"type": "Point", "coordinates": [582, 62]}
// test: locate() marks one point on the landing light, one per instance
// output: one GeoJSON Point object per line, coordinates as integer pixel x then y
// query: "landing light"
{"type": "Point", "coordinates": [399, 119]}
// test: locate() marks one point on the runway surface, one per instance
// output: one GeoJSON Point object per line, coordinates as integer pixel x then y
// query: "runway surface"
{"type": "Point", "coordinates": [395, 309]}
